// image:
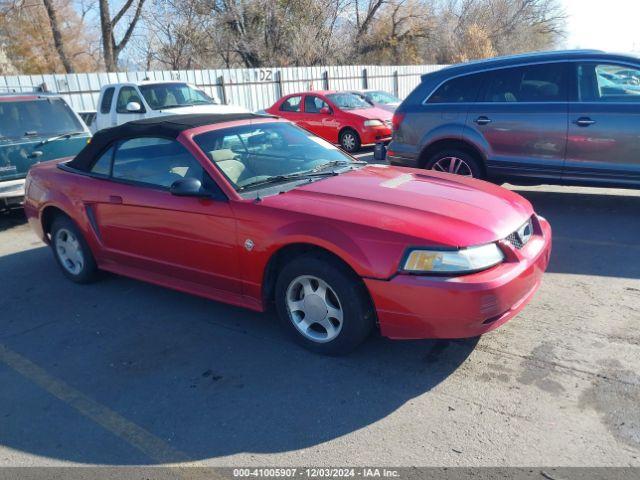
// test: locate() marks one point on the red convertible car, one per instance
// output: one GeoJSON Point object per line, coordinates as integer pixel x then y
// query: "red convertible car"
{"type": "Point", "coordinates": [342, 118]}
{"type": "Point", "coordinates": [252, 210]}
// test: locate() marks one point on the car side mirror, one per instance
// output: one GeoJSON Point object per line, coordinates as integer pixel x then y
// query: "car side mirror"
{"type": "Point", "coordinates": [134, 107]}
{"type": "Point", "coordinates": [188, 187]}
{"type": "Point", "coordinates": [325, 111]}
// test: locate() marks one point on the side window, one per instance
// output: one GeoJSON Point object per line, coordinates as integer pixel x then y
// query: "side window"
{"type": "Point", "coordinates": [458, 90]}
{"type": "Point", "coordinates": [156, 162]}
{"type": "Point", "coordinates": [291, 104]}
{"type": "Point", "coordinates": [102, 166]}
{"type": "Point", "coordinates": [608, 83]}
{"type": "Point", "coordinates": [126, 95]}
{"type": "Point", "coordinates": [313, 104]}
{"type": "Point", "coordinates": [105, 105]}
{"type": "Point", "coordinates": [532, 84]}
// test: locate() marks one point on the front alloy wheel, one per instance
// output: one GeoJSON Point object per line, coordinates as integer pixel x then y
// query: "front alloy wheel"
{"type": "Point", "coordinates": [323, 304]}
{"type": "Point", "coordinates": [350, 140]}
{"type": "Point", "coordinates": [314, 308]}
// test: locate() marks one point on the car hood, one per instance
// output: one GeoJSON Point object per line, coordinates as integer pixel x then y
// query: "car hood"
{"type": "Point", "coordinates": [204, 109]}
{"type": "Point", "coordinates": [425, 207]}
{"type": "Point", "coordinates": [390, 107]}
{"type": "Point", "coordinates": [373, 113]}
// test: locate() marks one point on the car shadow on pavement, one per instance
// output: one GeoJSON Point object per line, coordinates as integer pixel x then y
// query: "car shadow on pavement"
{"type": "Point", "coordinates": [11, 218]}
{"type": "Point", "coordinates": [202, 379]}
{"type": "Point", "coordinates": [593, 234]}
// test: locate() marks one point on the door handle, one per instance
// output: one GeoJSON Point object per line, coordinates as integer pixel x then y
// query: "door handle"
{"type": "Point", "coordinates": [35, 154]}
{"type": "Point", "coordinates": [483, 120]}
{"type": "Point", "coordinates": [584, 122]}
{"type": "Point", "coordinates": [115, 199]}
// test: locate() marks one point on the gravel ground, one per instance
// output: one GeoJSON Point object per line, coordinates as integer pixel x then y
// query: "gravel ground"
{"type": "Point", "coordinates": [122, 372]}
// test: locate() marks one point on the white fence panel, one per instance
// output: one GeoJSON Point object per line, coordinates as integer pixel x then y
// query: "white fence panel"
{"type": "Point", "coordinates": [252, 88]}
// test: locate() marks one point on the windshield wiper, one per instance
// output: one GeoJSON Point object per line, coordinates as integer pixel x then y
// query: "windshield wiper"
{"type": "Point", "coordinates": [284, 178]}
{"type": "Point", "coordinates": [319, 171]}
{"type": "Point", "coordinates": [335, 163]}
{"type": "Point", "coordinates": [58, 137]}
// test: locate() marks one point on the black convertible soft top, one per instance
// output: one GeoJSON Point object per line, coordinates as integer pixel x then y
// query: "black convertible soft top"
{"type": "Point", "coordinates": [168, 126]}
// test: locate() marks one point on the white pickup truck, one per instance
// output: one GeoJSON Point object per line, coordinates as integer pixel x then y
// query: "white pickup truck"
{"type": "Point", "coordinates": [123, 102]}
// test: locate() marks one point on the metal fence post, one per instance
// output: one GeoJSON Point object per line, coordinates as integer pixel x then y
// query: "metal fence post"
{"type": "Point", "coordinates": [278, 78]}
{"type": "Point", "coordinates": [365, 79]}
{"type": "Point", "coordinates": [223, 91]}
{"type": "Point", "coordinates": [396, 84]}
{"type": "Point", "coordinates": [325, 80]}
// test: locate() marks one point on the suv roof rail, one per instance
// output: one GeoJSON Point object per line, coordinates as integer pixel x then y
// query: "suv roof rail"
{"type": "Point", "coordinates": [518, 56]}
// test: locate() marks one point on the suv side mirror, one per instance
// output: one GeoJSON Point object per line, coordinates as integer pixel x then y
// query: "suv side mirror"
{"type": "Point", "coordinates": [188, 187]}
{"type": "Point", "coordinates": [134, 107]}
{"type": "Point", "coordinates": [325, 111]}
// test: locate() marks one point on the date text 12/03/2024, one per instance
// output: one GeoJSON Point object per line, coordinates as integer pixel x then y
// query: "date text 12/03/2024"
{"type": "Point", "coordinates": [365, 472]}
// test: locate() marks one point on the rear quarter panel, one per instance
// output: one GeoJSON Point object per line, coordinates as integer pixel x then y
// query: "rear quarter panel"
{"type": "Point", "coordinates": [50, 186]}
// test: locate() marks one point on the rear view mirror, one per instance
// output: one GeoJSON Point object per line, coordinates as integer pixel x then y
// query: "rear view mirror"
{"type": "Point", "coordinates": [325, 111]}
{"type": "Point", "coordinates": [188, 187]}
{"type": "Point", "coordinates": [133, 107]}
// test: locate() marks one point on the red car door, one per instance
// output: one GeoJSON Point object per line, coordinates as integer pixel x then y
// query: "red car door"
{"type": "Point", "coordinates": [150, 232]}
{"type": "Point", "coordinates": [320, 118]}
{"type": "Point", "coordinates": [290, 108]}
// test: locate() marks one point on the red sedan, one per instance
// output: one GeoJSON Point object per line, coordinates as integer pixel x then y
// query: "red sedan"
{"type": "Point", "coordinates": [251, 211]}
{"type": "Point", "coordinates": [342, 118]}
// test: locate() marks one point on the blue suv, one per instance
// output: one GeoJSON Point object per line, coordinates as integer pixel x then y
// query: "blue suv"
{"type": "Point", "coordinates": [568, 117]}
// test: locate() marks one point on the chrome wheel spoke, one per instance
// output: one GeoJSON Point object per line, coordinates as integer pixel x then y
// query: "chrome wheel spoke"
{"type": "Point", "coordinates": [329, 327]}
{"type": "Point", "coordinates": [453, 165]}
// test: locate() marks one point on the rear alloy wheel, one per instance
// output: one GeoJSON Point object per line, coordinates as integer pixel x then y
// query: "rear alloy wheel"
{"type": "Point", "coordinates": [456, 162]}
{"type": "Point", "coordinates": [323, 305]}
{"type": "Point", "coordinates": [350, 140]}
{"type": "Point", "coordinates": [72, 252]}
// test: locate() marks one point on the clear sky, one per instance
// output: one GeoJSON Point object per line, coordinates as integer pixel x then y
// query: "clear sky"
{"type": "Point", "coordinates": [612, 25]}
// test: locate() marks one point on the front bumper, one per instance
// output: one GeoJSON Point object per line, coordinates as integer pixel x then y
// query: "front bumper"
{"type": "Point", "coordinates": [371, 135]}
{"type": "Point", "coordinates": [413, 307]}
{"type": "Point", "coordinates": [11, 193]}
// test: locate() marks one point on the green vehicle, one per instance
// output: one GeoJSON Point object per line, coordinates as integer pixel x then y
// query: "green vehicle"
{"type": "Point", "coordinates": [34, 128]}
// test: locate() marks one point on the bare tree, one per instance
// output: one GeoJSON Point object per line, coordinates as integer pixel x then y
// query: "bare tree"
{"type": "Point", "coordinates": [110, 48]}
{"type": "Point", "coordinates": [57, 35]}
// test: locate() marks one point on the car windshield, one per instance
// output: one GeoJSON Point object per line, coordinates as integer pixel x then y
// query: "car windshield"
{"type": "Point", "coordinates": [379, 96]}
{"type": "Point", "coordinates": [173, 95]}
{"type": "Point", "coordinates": [38, 117]}
{"type": "Point", "coordinates": [251, 156]}
{"type": "Point", "coordinates": [348, 101]}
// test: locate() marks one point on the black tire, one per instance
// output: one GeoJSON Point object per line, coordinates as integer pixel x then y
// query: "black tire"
{"type": "Point", "coordinates": [473, 164]}
{"type": "Point", "coordinates": [64, 229]}
{"type": "Point", "coordinates": [350, 140]}
{"type": "Point", "coordinates": [352, 298]}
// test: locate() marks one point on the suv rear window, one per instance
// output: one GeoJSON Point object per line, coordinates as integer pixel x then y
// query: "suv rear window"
{"type": "Point", "coordinates": [531, 84]}
{"type": "Point", "coordinates": [458, 90]}
{"type": "Point", "coordinates": [40, 117]}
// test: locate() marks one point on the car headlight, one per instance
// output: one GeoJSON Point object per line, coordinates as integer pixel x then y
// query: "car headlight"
{"type": "Point", "coordinates": [373, 123]}
{"type": "Point", "coordinates": [464, 260]}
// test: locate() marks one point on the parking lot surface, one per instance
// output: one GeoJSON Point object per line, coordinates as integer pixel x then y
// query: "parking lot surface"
{"type": "Point", "coordinates": [123, 372]}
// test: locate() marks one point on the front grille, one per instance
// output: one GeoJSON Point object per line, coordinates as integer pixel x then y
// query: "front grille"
{"type": "Point", "coordinates": [521, 236]}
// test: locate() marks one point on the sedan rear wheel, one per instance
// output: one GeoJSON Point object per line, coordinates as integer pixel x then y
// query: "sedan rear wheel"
{"type": "Point", "coordinates": [323, 304]}
{"type": "Point", "coordinates": [72, 252]}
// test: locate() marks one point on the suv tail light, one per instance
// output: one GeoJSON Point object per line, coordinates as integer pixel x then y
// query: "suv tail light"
{"type": "Point", "coordinates": [397, 120]}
